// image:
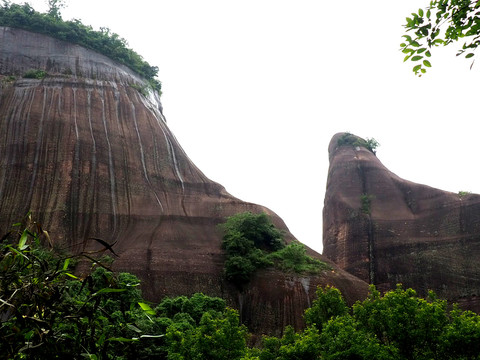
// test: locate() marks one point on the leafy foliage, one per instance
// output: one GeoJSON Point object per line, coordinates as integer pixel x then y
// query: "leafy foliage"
{"type": "Point", "coordinates": [35, 74]}
{"type": "Point", "coordinates": [302, 345]}
{"type": "Point", "coordinates": [103, 41]}
{"type": "Point", "coordinates": [255, 228]}
{"type": "Point", "coordinates": [398, 325]}
{"type": "Point", "coordinates": [217, 336]}
{"type": "Point", "coordinates": [365, 203]}
{"type": "Point", "coordinates": [462, 194]}
{"type": "Point", "coordinates": [442, 23]}
{"type": "Point", "coordinates": [328, 304]}
{"type": "Point", "coordinates": [46, 311]}
{"type": "Point", "coordinates": [294, 258]}
{"type": "Point", "coordinates": [247, 239]}
{"type": "Point", "coordinates": [350, 139]}
{"type": "Point", "coordinates": [252, 242]}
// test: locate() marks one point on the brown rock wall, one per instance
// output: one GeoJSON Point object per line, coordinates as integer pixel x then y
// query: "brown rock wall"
{"type": "Point", "coordinates": [92, 157]}
{"type": "Point", "coordinates": [413, 234]}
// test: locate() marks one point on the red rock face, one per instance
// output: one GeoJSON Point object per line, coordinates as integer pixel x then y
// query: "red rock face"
{"type": "Point", "coordinates": [409, 233]}
{"type": "Point", "coordinates": [92, 157]}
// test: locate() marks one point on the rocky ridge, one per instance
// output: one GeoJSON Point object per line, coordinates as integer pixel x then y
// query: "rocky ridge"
{"type": "Point", "coordinates": [387, 230]}
{"type": "Point", "coordinates": [91, 156]}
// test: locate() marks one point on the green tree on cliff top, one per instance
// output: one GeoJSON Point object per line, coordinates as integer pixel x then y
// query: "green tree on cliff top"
{"type": "Point", "coordinates": [104, 41]}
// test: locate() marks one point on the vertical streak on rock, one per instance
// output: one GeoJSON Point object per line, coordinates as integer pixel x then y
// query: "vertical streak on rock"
{"type": "Point", "coordinates": [177, 171]}
{"type": "Point", "coordinates": [46, 183]}
{"type": "Point", "coordinates": [10, 118]}
{"type": "Point", "coordinates": [55, 135]}
{"type": "Point", "coordinates": [110, 166]}
{"type": "Point", "coordinates": [371, 251]}
{"type": "Point", "coordinates": [38, 148]}
{"type": "Point", "coordinates": [142, 155]}
{"type": "Point", "coordinates": [123, 157]}
{"type": "Point", "coordinates": [173, 158]}
{"type": "Point", "coordinates": [92, 179]}
{"type": "Point", "coordinates": [370, 229]}
{"type": "Point", "coordinates": [75, 182]}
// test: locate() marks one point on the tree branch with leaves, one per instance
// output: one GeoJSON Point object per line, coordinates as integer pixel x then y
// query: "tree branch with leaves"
{"type": "Point", "coordinates": [441, 23]}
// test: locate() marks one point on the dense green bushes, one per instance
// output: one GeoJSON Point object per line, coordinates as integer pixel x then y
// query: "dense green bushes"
{"type": "Point", "coordinates": [252, 242]}
{"type": "Point", "coordinates": [47, 312]}
{"type": "Point", "coordinates": [396, 326]}
{"type": "Point", "coordinates": [103, 41]}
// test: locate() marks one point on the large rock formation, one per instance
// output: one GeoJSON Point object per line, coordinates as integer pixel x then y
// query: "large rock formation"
{"type": "Point", "coordinates": [92, 157]}
{"type": "Point", "coordinates": [387, 230]}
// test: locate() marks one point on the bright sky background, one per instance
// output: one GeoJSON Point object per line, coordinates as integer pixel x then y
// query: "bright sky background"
{"type": "Point", "coordinates": [255, 89]}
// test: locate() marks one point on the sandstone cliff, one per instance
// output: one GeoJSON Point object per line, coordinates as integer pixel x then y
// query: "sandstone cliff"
{"type": "Point", "coordinates": [387, 230]}
{"type": "Point", "coordinates": [92, 157]}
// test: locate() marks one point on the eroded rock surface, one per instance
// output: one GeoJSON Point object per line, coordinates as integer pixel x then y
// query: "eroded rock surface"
{"type": "Point", "coordinates": [92, 157]}
{"type": "Point", "coordinates": [387, 230]}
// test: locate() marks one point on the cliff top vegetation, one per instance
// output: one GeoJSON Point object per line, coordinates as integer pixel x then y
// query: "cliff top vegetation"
{"type": "Point", "coordinates": [103, 41]}
{"type": "Point", "coordinates": [349, 139]}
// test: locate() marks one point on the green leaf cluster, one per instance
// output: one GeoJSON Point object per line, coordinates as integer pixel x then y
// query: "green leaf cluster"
{"type": "Point", "coordinates": [48, 312]}
{"type": "Point", "coordinates": [349, 139]}
{"type": "Point", "coordinates": [398, 326]}
{"type": "Point", "coordinates": [252, 242]}
{"type": "Point", "coordinates": [294, 258]}
{"type": "Point", "coordinates": [218, 336]}
{"type": "Point", "coordinates": [104, 41]}
{"type": "Point", "coordinates": [247, 239]}
{"type": "Point", "coordinates": [366, 203]}
{"type": "Point", "coordinates": [442, 23]}
{"type": "Point", "coordinates": [35, 74]}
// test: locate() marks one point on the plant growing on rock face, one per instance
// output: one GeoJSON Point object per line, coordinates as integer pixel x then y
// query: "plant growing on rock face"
{"type": "Point", "coordinates": [294, 258]}
{"type": "Point", "coordinates": [35, 74]}
{"type": "Point", "coordinates": [462, 194]}
{"type": "Point", "coordinates": [247, 239]}
{"type": "Point", "coordinates": [252, 242]}
{"type": "Point", "coordinates": [366, 203]}
{"type": "Point", "coordinates": [350, 139]}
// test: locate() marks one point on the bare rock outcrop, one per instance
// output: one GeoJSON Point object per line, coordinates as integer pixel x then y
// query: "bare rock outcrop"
{"type": "Point", "coordinates": [386, 230]}
{"type": "Point", "coordinates": [92, 157]}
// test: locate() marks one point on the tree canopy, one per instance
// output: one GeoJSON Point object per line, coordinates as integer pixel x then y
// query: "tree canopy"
{"type": "Point", "coordinates": [47, 312]}
{"type": "Point", "coordinates": [441, 24]}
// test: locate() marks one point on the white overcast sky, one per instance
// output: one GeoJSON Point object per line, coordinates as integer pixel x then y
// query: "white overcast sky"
{"type": "Point", "coordinates": [255, 89]}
